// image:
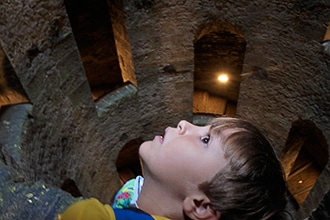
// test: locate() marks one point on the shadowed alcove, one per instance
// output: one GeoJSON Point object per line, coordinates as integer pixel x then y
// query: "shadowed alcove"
{"type": "Point", "coordinates": [128, 163]}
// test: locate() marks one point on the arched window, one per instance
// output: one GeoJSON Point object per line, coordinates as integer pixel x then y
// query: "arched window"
{"type": "Point", "coordinates": [99, 29]}
{"type": "Point", "coordinates": [219, 53]}
{"type": "Point", "coordinates": [304, 158]}
{"type": "Point", "coordinates": [128, 163]}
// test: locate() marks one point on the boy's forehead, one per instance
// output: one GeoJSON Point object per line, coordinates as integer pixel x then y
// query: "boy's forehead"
{"type": "Point", "coordinates": [224, 134]}
{"type": "Point", "coordinates": [222, 130]}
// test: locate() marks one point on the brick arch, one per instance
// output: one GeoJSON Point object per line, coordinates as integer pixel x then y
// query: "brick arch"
{"type": "Point", "coordinates": [218, 26]}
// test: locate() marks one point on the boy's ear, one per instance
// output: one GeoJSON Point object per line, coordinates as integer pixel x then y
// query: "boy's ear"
{"type": "Point", "coordinates": [197, 207]}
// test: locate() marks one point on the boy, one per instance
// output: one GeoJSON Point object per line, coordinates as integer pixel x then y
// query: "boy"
{"type": "Point", "coordinates": [226, 169]}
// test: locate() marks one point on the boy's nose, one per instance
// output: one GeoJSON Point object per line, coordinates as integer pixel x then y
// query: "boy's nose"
{"type": "Point", "coordinates": [183, 126]}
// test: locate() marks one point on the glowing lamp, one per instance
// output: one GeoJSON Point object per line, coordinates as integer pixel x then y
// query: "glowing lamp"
{"type": "Point", "coordinates": [223, 78]}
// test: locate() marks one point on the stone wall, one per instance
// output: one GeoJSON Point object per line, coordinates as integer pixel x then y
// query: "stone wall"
{"type": "Point", "coordinates": [69, 135]}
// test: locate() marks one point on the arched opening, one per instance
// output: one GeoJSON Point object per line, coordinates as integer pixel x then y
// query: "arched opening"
{"type": "Point", "coordinates": [128, 162]}
{"type": "Point", "coordinates": [219, 54]}
{"type": "Point", "coordinates": [304, 158]}
{"type": "Point", "coordinates": [100, 32]}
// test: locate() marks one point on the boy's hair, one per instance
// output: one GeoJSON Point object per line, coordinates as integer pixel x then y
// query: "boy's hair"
{"type": "Point", "coordinates": [252, 184]}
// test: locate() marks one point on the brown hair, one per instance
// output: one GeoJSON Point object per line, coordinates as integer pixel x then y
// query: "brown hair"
{"type": "Point", "coordinates": [251, 185]}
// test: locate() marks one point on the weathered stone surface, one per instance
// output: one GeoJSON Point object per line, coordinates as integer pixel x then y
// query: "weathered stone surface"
{"type": "Point", "coordinates": [29, 200]}
{"type": "Point", "coordinates": [67, 136]}
{"type": "Point", "coordinates": [322, 212]}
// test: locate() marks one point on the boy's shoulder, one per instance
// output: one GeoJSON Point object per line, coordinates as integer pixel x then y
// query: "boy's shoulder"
{"type": "Point", "coordinates": [94, 209]}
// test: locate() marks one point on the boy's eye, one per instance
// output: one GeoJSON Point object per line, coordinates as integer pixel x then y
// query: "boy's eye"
{"type": "Point", "coordinates": [205, 139]}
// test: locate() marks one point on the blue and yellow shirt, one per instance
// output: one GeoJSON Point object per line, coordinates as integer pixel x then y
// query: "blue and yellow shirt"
{"type": "Point", "coordinates": [92, 209]}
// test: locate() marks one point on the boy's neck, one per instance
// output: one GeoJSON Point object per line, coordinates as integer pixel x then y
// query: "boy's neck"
{"type": "Point", "coordinates": [156, 199]}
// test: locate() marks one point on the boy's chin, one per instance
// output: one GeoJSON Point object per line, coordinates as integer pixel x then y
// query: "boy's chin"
{"type": "Point", "coordinates": [144, 146]}
{"type": "Point", "coordinates": [144, 149]}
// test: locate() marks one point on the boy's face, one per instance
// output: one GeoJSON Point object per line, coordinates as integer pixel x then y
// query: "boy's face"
{"type": "Point", "coordinates": [183, 158]}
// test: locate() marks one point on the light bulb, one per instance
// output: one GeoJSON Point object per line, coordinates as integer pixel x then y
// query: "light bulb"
{"type": "Point", "coordinates": [223, 78]}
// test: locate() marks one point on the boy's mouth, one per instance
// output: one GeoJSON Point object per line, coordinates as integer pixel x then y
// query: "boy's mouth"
{"type": "Point", "coordinates": [159, 138]}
